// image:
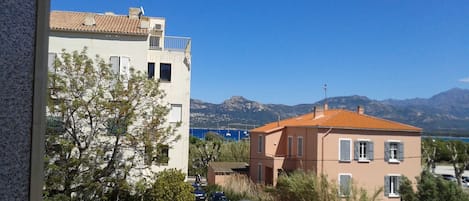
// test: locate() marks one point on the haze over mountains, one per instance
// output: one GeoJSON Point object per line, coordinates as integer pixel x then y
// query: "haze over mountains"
{"type": "Point", "coordinates": [445, 113]}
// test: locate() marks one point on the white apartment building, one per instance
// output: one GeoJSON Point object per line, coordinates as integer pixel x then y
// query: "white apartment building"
{"type": "Point", "coordinates": [137, 41]}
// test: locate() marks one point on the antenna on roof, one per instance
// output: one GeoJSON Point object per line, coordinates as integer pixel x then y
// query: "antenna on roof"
{"type": "Point", "coordinates": [325, 97]}
{"type": "Point", "coordinates": [325, 93]}
{"type": "Point", "coordinates": [141, 10]}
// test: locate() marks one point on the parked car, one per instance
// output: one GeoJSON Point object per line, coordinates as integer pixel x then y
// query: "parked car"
{"type": "Point", "coordinates": [218, 196]}
{"type": "Point", "coordinates": [449, 177]}
{"type": "Point", "coordinates": [465, 181]}
{"type": "Point", "coordinates": [199, 192]}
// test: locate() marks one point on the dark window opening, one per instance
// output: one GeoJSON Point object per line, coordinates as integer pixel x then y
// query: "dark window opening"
{"type": "Point", "coordinates": [151, 70]}
{"type": "Point", "coordinates": [165, 72]}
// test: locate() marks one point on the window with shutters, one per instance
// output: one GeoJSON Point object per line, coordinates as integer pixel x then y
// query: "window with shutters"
{"type": "Point", "coordinates": [391, 185]}
{"type": "Point", "coordinates": [393, 151]}
{"type": "Point", "coordinates": [175, 114]}
{"type": "Point", "coordinates": [289, 146]}
{"type": "Point", "coordinates": [345, 150]}
{"type": "Point", "coordinates": [345, 184]}
{"type": "Point", "coordinates": [120, 66]}
{"type": "Point", "coordinates": [363, 150]}
{"type": "Point", "coordinates": [165, 72]}
{"type": "Point", "coordinates": [299, 146]}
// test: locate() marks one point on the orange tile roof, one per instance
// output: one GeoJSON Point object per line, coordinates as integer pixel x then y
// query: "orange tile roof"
{"type": "Point", "coordinates": [338, 118]}
{"type": "Point", "coordinates": [114, 24]}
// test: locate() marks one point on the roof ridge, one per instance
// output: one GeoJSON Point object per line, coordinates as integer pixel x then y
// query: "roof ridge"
{"type": "Point", "coordinates": [99, 14]}
{"type": "Point", "coordinates": [386, 120]}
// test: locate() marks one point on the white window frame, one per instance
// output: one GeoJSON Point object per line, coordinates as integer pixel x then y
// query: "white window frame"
{"type": "Point", "coordinates": [350, 149]}
{"type": "Point", "coordinates": [365, 159]}
{"type": "Point", "coordinates": [396, 156]}
{"type": "Point", "coordinates": [289, 146]}
{"type": "Point", "coordinates": [260, 144]}
{"type": "Point", "coordinates": [300, 149]}
{"type": "Point", "coordinates": [392, 190]}
{"type": "Point", "coordinates": [338, 179]}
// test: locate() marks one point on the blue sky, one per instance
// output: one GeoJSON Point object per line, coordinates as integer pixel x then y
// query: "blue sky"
{"type": "Point", "coordinates": [285, 51]}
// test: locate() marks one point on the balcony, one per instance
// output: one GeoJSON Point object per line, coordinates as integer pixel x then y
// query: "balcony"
{"type": "Point", "coordinates": [177, 43]}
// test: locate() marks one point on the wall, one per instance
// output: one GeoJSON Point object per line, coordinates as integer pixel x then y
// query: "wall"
{"type": "Point", "coordinates": [371, 175]}
{"type": "Point", "coordinates": [23, 35]}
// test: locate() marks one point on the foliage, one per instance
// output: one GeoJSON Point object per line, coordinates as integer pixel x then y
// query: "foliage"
{"type": "Point", "coordinates": [102, 129]}
{"type": "Point", "coordinates": [306, 186]}
{"type": "Point", "coordinates": [170, 185]}
{"type": "Point", "coordinates": [213, 137]}
{"type": "Point", "coordinates": [406, 190]}
{"type": "Point", "coordinates": [432, 188]}
{"type": "Point", "coordinates": [459, 157]}
{"type": "Point", "coordinates": [240, 187]}
{"type": "Point", "coordinates": [234, 152]}
{"type": "Point", "coordinates": [201, 154]}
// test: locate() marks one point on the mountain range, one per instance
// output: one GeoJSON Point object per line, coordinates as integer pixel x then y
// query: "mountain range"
{"type": "Point", "coordinates": [443, 113]}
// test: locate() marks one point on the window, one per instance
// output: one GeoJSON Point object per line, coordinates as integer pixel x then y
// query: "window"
{"type": "Point", "coordinates": [345, 184]}
{"type": "Point", "coordinates": [259, 172]}
{"type": "Point", "coordinates": [151, 70]}
{"type": "Point", "coordinates": [163, 154]}
{"type": "Point", "coordinates": [289, 146]}
{"type": "Point", "coordinates": [344, 150]}
{"type": "Point", "coordinates": [165, 72]}
{"type": "Point", "coordinates": [300, 146]}
{"type": "Point", "coordinates": [154, 43]}
{"type": "Point", "coordinates": [394, 151]}
{"type": "Point", "coordinates": [363, 150]}
{"type": "Point", "coordinates": [391, 185]}
{"type": "Point", "coordinates": [120, 66]}
{"type": "Point", "coordinates": [260, 145]}
{"type": "Point", "coordinates": [175, 114]}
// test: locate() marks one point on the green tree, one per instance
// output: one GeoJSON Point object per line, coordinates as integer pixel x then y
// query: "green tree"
{"type": "Point", "coordinates": [234, 152]}
{"type": "Point", "coordinates": [459, 157]}
{"type": "Point", "coordinates": [406, 190]}
{"type": "Point", "coordinates": [170, 185]}
{"type": "Point", "coordinates": [101, 127]}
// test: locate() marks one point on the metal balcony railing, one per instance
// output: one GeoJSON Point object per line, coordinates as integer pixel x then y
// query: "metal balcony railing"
{"type": "Point", "coordinates": [176, 43]}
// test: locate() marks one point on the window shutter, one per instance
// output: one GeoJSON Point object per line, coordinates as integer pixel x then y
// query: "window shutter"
{"type": "Point", "coordinates": [386, 185]}
{"type": "Point", "coordinates": [50, 61]}
{"type": "Point", "coordinates": [345, 150]}
{"type": "Point", "coordinates": [370, 149]}
{"type": "Point", "coordinates": [125, 67]}
{"type": "Point", "coordinates": [386, 151]}
{"type": "Point", "coordinates": [398, 183]}
{"type": "Point", "coordinates": [401, 151]}
{"type": "Point", "coordinates": [356, 150]}
{"type": "Point", "coordinates": [114, 60]}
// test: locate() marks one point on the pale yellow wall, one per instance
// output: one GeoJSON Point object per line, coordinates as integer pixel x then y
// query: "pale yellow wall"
{"type": "Point", "coordinates": [137, 49]}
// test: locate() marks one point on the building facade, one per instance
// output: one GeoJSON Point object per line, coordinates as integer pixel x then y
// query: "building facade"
{"type": "Point", "coordinates": [139, 42]}
{"type": "Point", "coordinates": [345, 146]}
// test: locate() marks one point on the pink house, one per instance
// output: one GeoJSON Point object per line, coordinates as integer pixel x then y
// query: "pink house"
{"type": "Point", "coordinates": [341, 144]}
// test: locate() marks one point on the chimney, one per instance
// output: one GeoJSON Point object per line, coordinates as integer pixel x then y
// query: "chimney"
{"type": "Point", "coordinates": [144, 22]}
{"type": "Point", "coordinates": [134, 13]}
{"type": "Point", "coordinates": [89, 20]}
{"type": "Point", "coordinates": [318, 112]}
{"type": "Point", "coordinates": [326, 106]}
{"type": "Point", "coordinates": [360, 110]}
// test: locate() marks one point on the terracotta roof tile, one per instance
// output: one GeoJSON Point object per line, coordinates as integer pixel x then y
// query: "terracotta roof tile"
{"type": "Point", "coordinates": [338, 119]}
{"type": "Point", "coordinates": [114, 24]}
{"type": "Point", "coordinates": [227, 166]}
